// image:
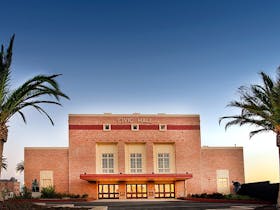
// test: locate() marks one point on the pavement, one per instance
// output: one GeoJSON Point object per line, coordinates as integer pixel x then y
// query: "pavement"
{"type": "Point", "coordinates": [159, 205]}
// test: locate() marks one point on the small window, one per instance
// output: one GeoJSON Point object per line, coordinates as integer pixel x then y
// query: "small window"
{"type": "Point", "coordinates": [135, 127]}
{"type": "Point", "coordinates": [106, 127]}
{"type": "Point", "coordinates": [162, 127]}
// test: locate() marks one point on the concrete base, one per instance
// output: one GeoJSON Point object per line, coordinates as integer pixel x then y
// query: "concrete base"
{"type": "Point", "coordinates": [36, 195]}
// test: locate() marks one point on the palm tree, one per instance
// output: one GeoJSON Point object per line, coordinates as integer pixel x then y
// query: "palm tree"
{"type": "Point", "coordinates": [31, 93]}
{"type": "Point", "coordinates": [20, 166]}
{"type": "Point", "coordinates": [259, 106]}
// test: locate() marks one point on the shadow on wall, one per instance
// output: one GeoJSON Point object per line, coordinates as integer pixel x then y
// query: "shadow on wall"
{"type": "Point", "coordinates": [260, 190]}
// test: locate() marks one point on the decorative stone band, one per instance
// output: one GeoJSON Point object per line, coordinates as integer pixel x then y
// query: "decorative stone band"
{"type": "Point", "coordinates": [135, 177]}
{"type": "Point", "coordinates": [128, 127]}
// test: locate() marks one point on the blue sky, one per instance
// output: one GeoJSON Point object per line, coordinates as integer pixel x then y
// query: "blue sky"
{"type": "Point", "coordinates": [144, 56]}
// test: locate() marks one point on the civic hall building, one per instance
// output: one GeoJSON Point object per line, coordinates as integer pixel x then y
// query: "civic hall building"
{"type": "Point", "coordinates": [124, 156]}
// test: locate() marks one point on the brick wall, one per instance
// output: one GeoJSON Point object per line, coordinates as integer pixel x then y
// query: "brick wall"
{"type": "Point", "coordinates": [11, 185]}
{"type": "Point", "coordinates": [53, 159]}
{"type": "Point", "coordinates": [214, 158]}
{"type": "Point", "coordinates": [82, 144]}
{"type": "Point", "coordinates": [85, 131]}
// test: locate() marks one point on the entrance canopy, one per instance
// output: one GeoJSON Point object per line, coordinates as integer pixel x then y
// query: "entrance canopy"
{"type": "Point", "coordinates": [135, 177]}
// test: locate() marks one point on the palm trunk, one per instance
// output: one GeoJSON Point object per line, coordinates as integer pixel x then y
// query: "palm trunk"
{"type": "Point", "coordinates": [3, 139]}
{"type": "Point", "coordinates": [1, 155]}
{"type": "Point", "coordinates": [278, 144]}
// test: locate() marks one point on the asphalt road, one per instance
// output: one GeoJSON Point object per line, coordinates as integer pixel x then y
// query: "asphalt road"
{"type": "Point", "coordinates": [166, 205]}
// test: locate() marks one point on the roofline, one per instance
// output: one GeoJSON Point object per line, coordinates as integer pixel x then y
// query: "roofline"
{"type": "Point", "coordinates": [45, 148]}
{"type": "Point", "coordinates": [206, 147]}
{"type": "Point", "coordinates": [134, 115]}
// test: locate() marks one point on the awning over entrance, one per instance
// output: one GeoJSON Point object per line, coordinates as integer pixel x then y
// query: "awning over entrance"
{"type": "Point", "coordinates": [135, 177]}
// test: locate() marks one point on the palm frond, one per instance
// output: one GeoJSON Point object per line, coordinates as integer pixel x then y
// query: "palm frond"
{"type": "Point", "coordinates": [4, 164]}
{"type": "Point", "coordinates": [20, 167]}
{"type": "Point", "coordinates": [252, 133]}
{"type": "Point", "coordinates": [38, 86]}
{"type": "Point", "coordinates": [5, 63]}
{"type": "Point", "coordinates": [259, 105]}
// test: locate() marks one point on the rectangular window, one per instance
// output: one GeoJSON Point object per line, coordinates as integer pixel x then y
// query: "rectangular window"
{"type": "Point", "coordinates": [46, 179]}
{"type": "Point", "coordinates": [162, 127]}
{"type": "Point", "coordinates": [163, 162]}
{"type": "Point", "coordinates": [134, 127]}
{"type": "Point", "coordinates": [106, 127]}
{"type": "Point", "coordinates": [223, 181]}
{"type": "Point", "coordinates": [107, 163]}
{"type": "Point", "coordinates": [136, 163]}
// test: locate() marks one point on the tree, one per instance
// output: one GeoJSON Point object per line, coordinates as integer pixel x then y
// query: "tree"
{"type": "Point", "coordinates": [20, 167]}
{"type": "Point", "coordinates": [259, 105]}
{"type": "Point", "coordinates": [32, 93]}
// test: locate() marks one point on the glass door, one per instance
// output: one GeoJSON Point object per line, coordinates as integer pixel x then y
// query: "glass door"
{"type": "Point", "coordinates": [136, 191]}
{"type": "Point", "coordinates": [108, 191]}
{"type": "Point", "coordinates": [164, 191]}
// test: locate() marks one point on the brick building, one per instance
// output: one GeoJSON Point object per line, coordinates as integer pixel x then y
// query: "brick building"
{"type": "Point", "coordinates": [135, 156]}
{"type": "Point", "coordinates": [9, 187]}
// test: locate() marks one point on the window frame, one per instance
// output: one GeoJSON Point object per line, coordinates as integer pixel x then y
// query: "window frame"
{"type": "Point", "coordinates": [106, 127]}
{"type": "Point", "coordinates": [136, 159]}
{"type": "Point", "coordinates": [135, 129]}
{"type": "Point", "coordinates": [164, 161]}
{"type": "Point", "coordinates": [162, 129]}
{"type": "Point", "coordinates": [107, 158]}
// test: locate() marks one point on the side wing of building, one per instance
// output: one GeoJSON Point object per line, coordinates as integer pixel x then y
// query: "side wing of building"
{"type": "Point", "coordinates": [49, 166]}
{"type": "Point", "coordinates": [220, 167]}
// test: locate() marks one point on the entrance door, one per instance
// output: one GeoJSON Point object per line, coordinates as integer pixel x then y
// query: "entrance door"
{"type": "Point", "coordinates": [108, 191]}
{"type": "Point", "coordinates": [136, 191]}
{"type": "Point", "coordinates": [164, 191]}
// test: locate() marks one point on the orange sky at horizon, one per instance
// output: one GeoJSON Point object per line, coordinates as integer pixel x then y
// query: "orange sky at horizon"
{"type": "Point", "coordinates": [261, 159]}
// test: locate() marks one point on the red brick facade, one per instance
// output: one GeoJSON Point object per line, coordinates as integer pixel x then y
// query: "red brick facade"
{"type": "Point", "coordinates": [74, 169]}
{"type": "Point", "coordinates": [9, 187]}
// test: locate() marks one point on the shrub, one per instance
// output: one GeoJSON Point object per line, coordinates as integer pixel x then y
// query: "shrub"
{"type": "Point", "coordinates": [216, 196]}
{"type": "Point", "coordinates": [85, 196]}
{"type": "Point", "coordinates": [48, 192]}
{"type": "Point", "coordinates": [26, 193]}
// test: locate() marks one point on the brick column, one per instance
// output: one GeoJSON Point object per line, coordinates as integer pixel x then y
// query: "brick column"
{"type": "Point", "coordinates": [121, 157]}
{"type": "Point", "coordinates": [122, 191]}
{"type": "Point", "coordinates": [151, 190]}
{"type": "Point", "coordinates": [149, 158]}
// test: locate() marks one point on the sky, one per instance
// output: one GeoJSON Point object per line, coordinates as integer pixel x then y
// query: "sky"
{"type": "Point", "coordinates": [148, 56]}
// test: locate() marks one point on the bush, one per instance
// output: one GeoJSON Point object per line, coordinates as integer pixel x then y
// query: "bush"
{"type": "Point", "coordinates": [48, 192]}
{"type": "Point", "coordinates": [85, 196]}
{"type": "Point", "coordinates": [26, 193]}
{"type": "Point", "coordinates": [221, 196]}
{"type": "Point", "coordinates": [216, 196]}
{"type": "Point", "coordinates": [238, 197]}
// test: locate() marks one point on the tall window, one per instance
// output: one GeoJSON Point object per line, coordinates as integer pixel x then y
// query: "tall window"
{"type": "Point", "coordinates": [46, 178]}
{"type": "Point", "coordinates": [163, 162]}
{"type": "Point", "coordinates": [108, 163]}
{"type": "Point", "coordinates": [136, 163]}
